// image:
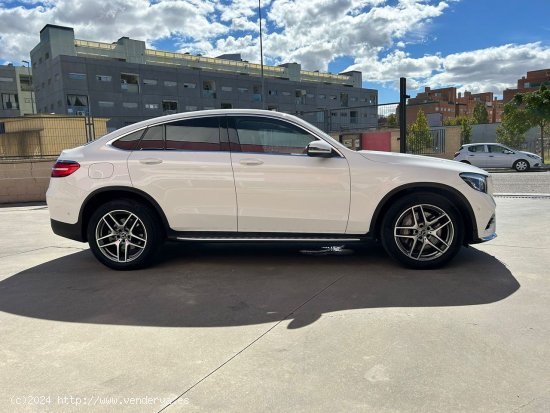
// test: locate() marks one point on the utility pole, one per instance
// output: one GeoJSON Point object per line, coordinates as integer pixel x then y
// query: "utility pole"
{"type": "Point", "coordinates": [261, 54]}
{"type": "Point", "coordinates": [403, 115]}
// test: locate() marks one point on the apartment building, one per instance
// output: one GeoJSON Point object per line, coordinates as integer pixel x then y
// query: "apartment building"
{"type": "Point", "coordinates": [444, 104]}
{"type": "Point", "coordinates": [529, 83]}
{"type": "Point", "coordinates": [16, 91]}
{"type": "Point", "coordinates": [127, 82]}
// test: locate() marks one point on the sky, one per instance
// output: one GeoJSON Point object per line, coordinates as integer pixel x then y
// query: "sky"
{"type": "Point", "coordinates": [475, 45]}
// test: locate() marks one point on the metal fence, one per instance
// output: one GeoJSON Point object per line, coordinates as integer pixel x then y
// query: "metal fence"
{"type": "Point", "coordinates": [46, 136]}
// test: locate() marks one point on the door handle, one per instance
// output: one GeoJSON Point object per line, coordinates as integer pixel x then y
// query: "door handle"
{"type": "Point", "coordinates": [251, 161]}
{"type": "Point", "coordinates": [491, 156]}
{"type": "Point", "coordinates": [150, 161]}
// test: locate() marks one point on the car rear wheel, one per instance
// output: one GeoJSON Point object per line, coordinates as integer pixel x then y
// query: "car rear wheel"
{"type": "Point", "coordinates": [422, 231]}
{"type": "Point", "coordinates": [521, 165]}
{"type": "Point", "coordinates": [124, 234]}
{"type": "Point", "coordinates": [468, 162]}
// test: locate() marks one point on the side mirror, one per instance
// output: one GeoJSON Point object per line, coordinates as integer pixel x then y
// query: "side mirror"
{"type": "Point", "coordinates": [320, 149]}
{"type": "Point", "coordinates": [507, 152]}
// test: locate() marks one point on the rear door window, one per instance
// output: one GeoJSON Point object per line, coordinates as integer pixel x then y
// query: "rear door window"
{"type": "Point", "coordinates": [201, 134]}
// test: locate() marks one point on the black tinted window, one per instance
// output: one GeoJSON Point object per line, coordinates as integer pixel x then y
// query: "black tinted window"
{"type": "Point", "coordinates": [128, 142]}
{"type": "Point", "coordinates": [271, 136]}
{"type": "Point", "coordinates": [202, 134]}
{"type": "Point", "coordinates": [153, 138]}
{"type": "Point", "coordinates": [476, 148]}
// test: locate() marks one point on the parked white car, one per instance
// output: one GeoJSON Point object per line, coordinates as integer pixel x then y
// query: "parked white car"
{"type": "Point", "coordinates": [495, 155]}
{"type": "Point", "coordinates": [252, 175]}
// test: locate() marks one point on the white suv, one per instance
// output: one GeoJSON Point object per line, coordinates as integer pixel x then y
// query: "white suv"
{"type": "Point", "coordinates": [252, 175]}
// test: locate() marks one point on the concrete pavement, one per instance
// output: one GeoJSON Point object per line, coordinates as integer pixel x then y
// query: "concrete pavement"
{"type": "Point", "coordinates": [256, 328]}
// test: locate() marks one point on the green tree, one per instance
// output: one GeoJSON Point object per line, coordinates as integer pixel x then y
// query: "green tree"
{"type": "Point", "coordinates": [480, 113]}
{"type": "Point", "coordinates": [391, 121]}
{"type": "Point", "coordinates": [419, 137]}
{"type": "Point", "coordinates": [536, 107]}
{"type": "Point", "coordinates": [465, 130]}
{"type": "Point", "coordinates": [514, 126]}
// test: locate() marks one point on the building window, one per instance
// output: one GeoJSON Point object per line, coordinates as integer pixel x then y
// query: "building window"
{"type": "Point", "coordinates": [76, 76]}
{"type": "Point", "coordinates": [272, 92]}
{"type": "Point", "coordinates": [170, 83]}
{"type": "Point", "coordinates": [322, 96]}
{"type": "Point", "coordinates": [332, 97]}
{"type": "Point", "coordinates": [286, 93]}
{"type": "Point", "coordinates": [169, 106]}
{"type": "Point", "coordinates": [209, 88]}
{"type": "Point", "coordinates": [256, 93]}
{"type": "Point", "coordinates": [150, 82]}
{"type": "Point", "coordinates": [226, 106]}
{"type": "Point", "coordinates": [209, 107]}
{"type": "Point", "coordinates": [6, 79]}
{"type": "Point", "coordinates": [129, 82]}
{"type": "Point", "coordinates": [77, 104]}
{"type": "Point", "coordinates": [344, 99]}
{"type": "Point", "coordinates": [105, 104]}
{"type": "Point", "coordinates": [243, 89]}
{"type": "Point", "coordinates": [10, 101]}
{"type": "Point", "coordinates": [129, 105]}
{"type": "Point", "coordinates": [227, 89]}
{"type": "Point", "coordinates": [104, 78]}
{"type": "Point", "coordinates": [353, 116]}
{"type": "Point", "coordinates": [300, 96]}
{"type": "Point", "coordinates": [47, 56]}
{"type": "Point", "coordinates": [151, 106]}
{"type": "Point", "coordinates": [189, 85]}
{"type": "Point", "coordinates": [190, 108]}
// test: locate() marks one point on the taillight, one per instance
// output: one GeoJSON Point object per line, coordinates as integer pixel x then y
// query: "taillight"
{"type": "Point", "coordinates": [64, 168]}
{"type": "Point", "coordinates": [456, 154]}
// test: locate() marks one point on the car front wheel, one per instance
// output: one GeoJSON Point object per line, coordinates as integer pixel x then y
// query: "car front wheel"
{"type": "Point", "coordinates": [521, 165]}
{"type": "Point", "coordinates": [124, 234]}
{"type": "Point", "coordinates": [422, 231]}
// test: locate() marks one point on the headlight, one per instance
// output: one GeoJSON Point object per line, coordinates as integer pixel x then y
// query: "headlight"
{"type": "Point", "coordinates": [476, 181]}
{"type": "Point", "coordinates": [533, 156]}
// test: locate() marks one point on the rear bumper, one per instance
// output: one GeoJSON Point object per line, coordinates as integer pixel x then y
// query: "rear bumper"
{"type": "Point", "coordinates": [71, 231]}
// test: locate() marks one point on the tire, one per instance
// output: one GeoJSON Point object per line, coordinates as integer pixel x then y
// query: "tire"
{"type": "Point", "coordinates": [127, 247]}
{"type": "Point", "coordinates": [422, 231]}
{"type": "Point", "coordinates": [466, 162]}
{"type": "Point", "coordinates": [521, 165]}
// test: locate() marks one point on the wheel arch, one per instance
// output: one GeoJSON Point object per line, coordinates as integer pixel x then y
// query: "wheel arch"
{"type": "Point", "coordinates": [454, 196]}
{"type": "Point", "coordinates": [102, 195]}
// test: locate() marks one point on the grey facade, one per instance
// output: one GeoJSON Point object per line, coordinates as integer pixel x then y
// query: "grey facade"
{"type": "Point", "coordinates": [16, 97]}
{"type": "Point", "coordinates": [126, 82]}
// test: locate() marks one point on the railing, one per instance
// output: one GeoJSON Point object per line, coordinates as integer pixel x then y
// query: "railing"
{"type": "Point", "coordinates": [94, 45]}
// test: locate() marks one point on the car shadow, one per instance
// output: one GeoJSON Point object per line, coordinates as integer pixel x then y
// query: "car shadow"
{"type": "Point", "coordinates": [231, 285]}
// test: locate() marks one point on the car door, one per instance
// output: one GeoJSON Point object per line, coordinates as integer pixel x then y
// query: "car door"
{"type": "Point", "coordinates": [500, 156]}
{"type": "Point", "coordinates": [279, 187]}
{"type": "Point", "coordinates": [477, 155]}
{"type": "Point", "coordinates": [186, 168]}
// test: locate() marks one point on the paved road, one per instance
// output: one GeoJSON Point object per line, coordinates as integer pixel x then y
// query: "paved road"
{"type": "Point", "coordinates": [254, 328]}
{"type": "Point", "coordinates": [522, 183]}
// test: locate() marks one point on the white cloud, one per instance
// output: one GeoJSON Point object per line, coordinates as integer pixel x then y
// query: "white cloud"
{"type": "Point", "coordinates": [376, 33]}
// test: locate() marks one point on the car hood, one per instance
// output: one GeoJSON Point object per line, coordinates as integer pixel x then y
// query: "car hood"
{"type": "Point", "coordinates": [421, 161]}
{"type": "Point", "coordinates": [529, 153]}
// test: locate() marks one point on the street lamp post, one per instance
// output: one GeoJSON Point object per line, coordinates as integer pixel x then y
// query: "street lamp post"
{"type": "Point", "coordinates": [261, 54]}
{"type": "Point", "coordinates": [30, 83]}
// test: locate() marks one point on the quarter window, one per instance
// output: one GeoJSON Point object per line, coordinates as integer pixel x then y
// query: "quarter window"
{"type": "Point", "coordinates": [271, 136]}
{"type": "Point", "coordinates": [128, 142]}
{"type": "Point", "coordinates": [153, 138]}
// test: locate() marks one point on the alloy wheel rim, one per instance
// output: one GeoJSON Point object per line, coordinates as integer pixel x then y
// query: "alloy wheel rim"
{"type": "Point", "coordinates": [424, 232]}
{"type": "Point", "coordinates": [121, 236]}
